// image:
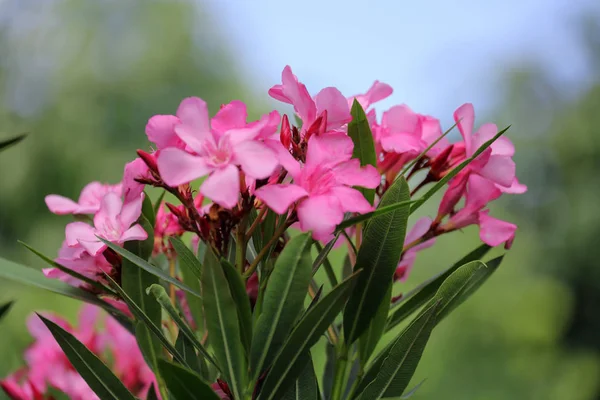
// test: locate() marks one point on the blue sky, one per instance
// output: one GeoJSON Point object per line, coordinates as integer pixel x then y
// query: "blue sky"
{"type": "Point", "coordinates": [436, 54]}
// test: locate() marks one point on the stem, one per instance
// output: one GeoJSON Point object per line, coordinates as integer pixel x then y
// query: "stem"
{"type": "Point", "coordinates": [263, 252]}
{"type": "Point", "coordinates": [328, 267]}
{"type": "Point", "coordinates": [341, 372]}
{"type": "Point", "coordinates": [256, 222]}
{"type": "Point", "coordinates": [240, 252]}
{"type": "Point", "coordinates": [172, 273]}
{"type": "Point", "coordinates": [350, 242]}
{"type": "Point", "coordinates": [333, 336]}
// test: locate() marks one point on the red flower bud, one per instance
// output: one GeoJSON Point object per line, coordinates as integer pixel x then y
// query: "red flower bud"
{"type": "Point", "coordinates": [149, 160]}
{"type": "Point", "coordinates": [285, 134]}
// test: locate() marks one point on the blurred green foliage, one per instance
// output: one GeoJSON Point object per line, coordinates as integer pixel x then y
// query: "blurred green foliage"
{"type": "Point", "coordinates": [83, 77]}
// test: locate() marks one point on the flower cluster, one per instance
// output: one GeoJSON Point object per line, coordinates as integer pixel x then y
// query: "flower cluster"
{"type": "Point", "coordinates": [49, 369]}
{"type": "Point", "coordinates": [229, 176]}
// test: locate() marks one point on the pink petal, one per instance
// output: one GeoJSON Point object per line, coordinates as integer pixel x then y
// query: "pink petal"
{"type": "Point", "coordinates": [352, 174]}
{"type": "Point", "coordinates": [400, 119]}
{"type": "Point", "coordinates": [514, 188]}
{"type": "Point", "coordinates": [131, 211]}
{"type": "Point", "coordinates": [177, 167]}
{"type": "Point", "coordinates": [455, 191]}
{"type": "Point", "coordinates": [134, 169]}
{"type": "Point", "coordinates": [193, 112]}
{"type": "Point", "coordinates": [328, 149]}
{"type": "Point", "coordinates": [61, 205]}
{"type": "Point", "coordinates": [298, 95]}
{"type": "Point", "coordinates": [136, 232]}
{"type": "Point", "coordinates": [464, 116]}
{"type": "Point", "coordinates": [480, 191]}
{"type": "Point", "coordinates": [499, 169]}
{"type": "Point", "coordinates": [351, 200]}
{"type": "Point", "coordinates": [110, 208]}
{"type": "Point", "coordinates": [402, 143]}
{"type": "Point", "coordinates": [76, 231]}
{"type": "Point", "coordinates": [94, 247]}
{"type": "Point", "coordinates": [286, 160]}
{"type": "Point", "coordinates": [268, 123]}
{"type": "Point", "coordinates": [223, 186]}
{"type": "Point", "coordinates": [493, 231]}
{"type": "Point", "coordinates": [276, 92]}
{"type": "Point", "coordinates": [256, 159]}
{"type": "Point", "coordinates": [320, 214]}
{"type": "Point", "coordinates": [420, 228]}
{"type": "Point", "coordinates": [332, 100]}
{"type": "Point", "coordinates": [161, 130]}
{"type": "Point", "coordinates": [378, 91]}
{"type": "Point", "coordinates": [280, 197]}
{"type": "Point", "coordinates": [230, 116]}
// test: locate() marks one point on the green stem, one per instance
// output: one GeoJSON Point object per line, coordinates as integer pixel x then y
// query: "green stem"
{"type": "Point", "coordinates": [265, 249]}
{"type": "Point", "coordinates": [327, 266]}
{"type": "Point", "coordinates": [240, 251]}
{"type": "Point", "coordinates": [340, 379]}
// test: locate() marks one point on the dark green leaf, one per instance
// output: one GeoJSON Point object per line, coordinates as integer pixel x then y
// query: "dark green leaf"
{"type": "Point", "coordinates": [191, 271]}
{"type": "Point", "coordinates": [158, 202]}
{"type": "Point", "coordinates": [143, 318]}
{"type": "Point", "coordinates": [186, 349]}
{"type": "Point", "coordinates": [364, 146]}
{"type": "Point", "coordinates": [237, 287]}
{"type": "Point", "coordinates": [322, 259]}
{"type": "Point", "coordinates": [223, 325]}
{"type": "Point", "coordinates": [12, 141]}
{"type": "Point", "coordinates": [378, 258]}
{"type": "Point", "coordinates": [391, 377]}
{"type": "Point", "coordinates": [329, 372]}
{"type": "Point", "coordinates": [288, 363]}
{"type": "Point", "coordinates": [369, 339]}
{"type": "Point", "coordinates": [159, 293]}
{"type": "Point", "coordinates": [185, 384]}
{"type": "Point", "coordinates": [145, 265]}
{"type": "Point", "coordinates": [97, 375]}
{"type": "Point", "coordinates": [422, 294]}
{"type": "Point", "coordinates": [148, 210]}
{"type": "Point", "coordinates": [380, 211]}
{"type": "Point", "coordinates": [4, 308]}
{"type": "Point", "coordinates": [442, 182]}
{"type": "Point", "coordinates": [306, 386]}
{"type": "Point", "coordinates": [152, 395]}
{"type": "Point", "coordinates": [283, 301]}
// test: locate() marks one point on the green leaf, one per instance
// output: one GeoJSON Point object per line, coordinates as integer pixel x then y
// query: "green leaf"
{"type": "Point", "coordinates": [186, 349]}
{"type": "Point", "coordinates": [158, 202]}
{"type": "Point", "coordinates": [143, 318]}
{"type": "Point", "coordinates": [322, 259]}
{"type": "Point", "coordinates": [5, 308]}
{"type": "Point", "coordinates": [66, 270]}
{"type": "Point", "coordinates": [223, 326]}
{"type": "Point", "coordinates": [191, 271]}
{"type": "Point", "coordinates": [381, 210]}
{"type": "Point", "coordinates": [422, 294]}
{"type": "Point", "coordinates": [412, 391]}
{"type": "Point", "coordinates": [390, 377]}
{"type": "Point", "coordinates": [12, 141]}
{"type": "Point", "coordinates": [148, 210]}
{"type": "Point", "coordinates": [364, 147]}
{"type": "Point", "coordinates": [185, 384]}
{"type": "Point", "coordinates": [97, 375]}
{"type": "Point", "coordinates": [237, 287]}
{"type": "Point", "coordinates": [145, 265]}
{"type": "Point", "coordinates": [378, 258]}
{"type": "Point", "coordinates": [152, 395]}
{"type": "Point", "coordinates": [306, 386]}
{"type": "Point", "coordinates": [329, 370]}
{"type": "Point", "coordinates": [442, 182]}
{"type": "Point", "coordinates": [369, 339]}
{"type": "Point", "coordinates": [288, 363]}
{"type": "Point", "coordinates": [159, 293]}
{"type": "Point", "coordinates": [31, 277]}
{"type": "Point", "coordinates": [283, 301]}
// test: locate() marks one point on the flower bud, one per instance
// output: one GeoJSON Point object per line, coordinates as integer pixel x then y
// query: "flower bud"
{"type": "Point", "coordinates": [286, 133]}
{"type": "Point", "coordinates": [149, 160]}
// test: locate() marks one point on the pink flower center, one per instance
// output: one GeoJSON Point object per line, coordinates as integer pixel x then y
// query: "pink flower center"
{"type": "Point", "coordinates": [218, 155]}
{"type": "Point", "coordinates": [318, 180]}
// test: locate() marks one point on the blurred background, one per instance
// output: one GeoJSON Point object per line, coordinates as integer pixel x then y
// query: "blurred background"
{"type": "Point", "coordinates": [83, 77]}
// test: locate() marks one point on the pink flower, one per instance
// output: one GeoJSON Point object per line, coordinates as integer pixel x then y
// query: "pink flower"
{"type": "Point", "coordinates": [216, 149]}
{"type": "Point", "coordinates": [160, 130]}
{"type": "Point", "coordinates": [377, 92]}
{"type": "Point", "coordinates": [113, 222]}
{"type": "Point", "coordinates": [492, 231]}
{"type": "Point", "coordinates": [323, 185]}
{"type": "Point", "coordinates": [88, 203]}
{"type": "Point", "coordinates": [405, 265]}
{"type": "Point", "coordinates": [329, 100]}
{"type": "Point", "coordinates": [18, 387]}
{"type": "Point", "coordinates": [132, 189]}
{"type": "Point", "coordinates": [78, 260]}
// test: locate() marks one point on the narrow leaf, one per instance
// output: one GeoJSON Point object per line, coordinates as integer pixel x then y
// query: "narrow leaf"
{"type": "Point", "coordinates": [158, 202]}
{"type": "Point", "coordinates": [12, 141]}
{"type": "Point", "coordinates": [97, 375]}
{"type": "Point", "coordinates": [145, 265]}
{"type": "Point", "coordinates": [237, 288]}
{"type": "Point", "coordinates": [186, 349]}
{"type": "Point", "coordinates": [5, 308]}
{"type": "Point", "coordinates": [369, 339]}
{"type": "Point", "coordinates": [322, 259]}
{"type": "Point", "coordinates": [283, 301]}
{"type": "Point", "coordinates": [148, 210]}
{"type": "Point", "coordinates": [191, 271]}
{"type": "Point", "coordinates": [381, 210]}
{"type": "Point", "coordinates": [378, 258]}
{"type": "Point", "coordinates": [287, 365]}
{"type": "Point", "coordinates": [442, 182]}
{"type": "Point", "coordinates": [306, 386]}
{"type": "Point", "coordinates": [159, 293]}
{"type": "Point", "coordinates": [185, 384]}
{"type": "Point", "coordinates": [223, 326]}
{"type": "Point", "coordinates": [364, 147]}
{"type": "Point", "coordinates": [143, 318]}
{"type": "Point", "coordinates": [425, 292]}
{"type": "Point", "coordinates": [402, 359]}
